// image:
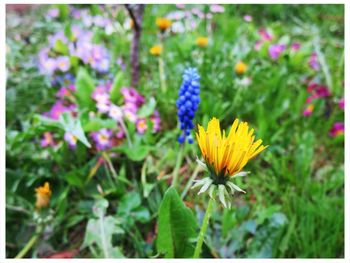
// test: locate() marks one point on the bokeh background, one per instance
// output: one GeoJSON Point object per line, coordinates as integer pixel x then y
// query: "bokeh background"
{"type": "Point", "coordinates": [289, 87]}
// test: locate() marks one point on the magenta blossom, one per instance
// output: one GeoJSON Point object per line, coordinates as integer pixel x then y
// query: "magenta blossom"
{"type": "Point", "coordinates": [57, 109]}
{"type": "Point", "coordinates": [323, 91]}
{"type": "Point", "coordinates": [132, 96]}
{"type": "Point", "coordinates": [337, 129]}
{"type": "Point", "coordinates": [295, 46]}
{"type": "Point", "coordinates": [65, 91]}
{"type": "Point", "coordinates": [276, 50]}
{"type": "Point", "coordinates": [265, 35]}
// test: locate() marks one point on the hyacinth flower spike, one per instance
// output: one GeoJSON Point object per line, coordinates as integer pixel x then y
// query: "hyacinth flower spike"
{"type": "Point", "coordinates": [187, 105]}
{"type": "Point", "coordinates": [225, 157]}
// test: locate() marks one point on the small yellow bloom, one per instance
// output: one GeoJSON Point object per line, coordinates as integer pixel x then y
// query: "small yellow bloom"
{"type": "Point", "coordinates": [156, 50]}
{"type": "Point", "coordinates": [163, 23]}
{"type": "Point", "coordinates": [202, 41]}
{"type": "Point", "coordinates": [43, 194]}
{"type": "Point", "coordinates": [226, 156]}
{"type": "Point", "coordinates": [240, 68]}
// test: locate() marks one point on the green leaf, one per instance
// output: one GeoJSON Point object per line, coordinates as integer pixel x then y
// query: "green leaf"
{"type": "Point", "coordinates": [136, 153]}
{"type": "Point", "coordinates": [73, 126]}
{"type": "Point", "coordinates": [84, 88]}
{"type": "Point", "coordinates": [100, 231]}
{"type": "Point", "coordinates": [130, 209]}
{"type": "Point", "coordinates": [147, 109]}
{"type": "Point", "coordinates": [176, 227]}
{"type": "Point", "coordinates": [64, 11]}
{"type": "Point", "coordinates": [60, 47]}
{"type": "Point", "coordinates": [44, 121]}
{"type": "Point", "coordinates": [97, 124]}
{"type": "Point", "coordinates": [115, 89]}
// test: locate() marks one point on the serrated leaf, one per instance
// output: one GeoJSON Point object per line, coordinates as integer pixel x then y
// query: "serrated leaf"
{"type": "Point", "coordinates": [73, 126]}
{"type": "Point", "coordinates": [176, 227]}
{"type": "Point", "coordinates": [99, 231]}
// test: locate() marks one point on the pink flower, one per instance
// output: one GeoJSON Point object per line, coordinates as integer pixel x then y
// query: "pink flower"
{"type": "Point", "coordinates": [276, 50]}
{"type": "Point", "coordinates": [311, 98]}
{"type": "Point", "coordinates": [132, 96]}
{"type": "Point", "coordinates": [265, 35]}
{"type": "Point", "coordinates": [337, 129]}
{"type": "Point", "coordinates": [311, 87]}
{"type": "Point", "coordinates": [217, 8]}
{"type": "Point", "coordinates": [322, 91]}
{"type": "Point", "coordinates": [47, 140]}
{"type": "Point", "coordinates": [57, 109]}
{"type": "Point", "coordinates": [309, 109]}
{"type": "Point", "coordinates": [141, 126]}
{"type": "Point", "coordinates": [155, 121]}
{"type": "Point", "coordinates": [248, 18]}
{"type": "Point", "coordinates": [115, 112]}
{"type": "Point", "coordinates": [65, 91]}
{"type": "Point", "coordinates": [341, 103]}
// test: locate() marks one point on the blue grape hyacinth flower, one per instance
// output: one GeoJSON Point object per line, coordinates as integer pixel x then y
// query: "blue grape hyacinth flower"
{"type": "Point", "coordinates": [187, 103]}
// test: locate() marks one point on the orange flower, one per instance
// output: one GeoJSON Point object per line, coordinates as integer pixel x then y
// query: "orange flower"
{"type": "Point", "coordinates": [240, 68]}
{"type": "Point", "coordinates": [163, 23]}
{"type": "Point", "coordinates": [43, 194]}
{"type": "Point", "coordinates": [156, 50]}
{"type": "Point", "coordinates": [202, 41]}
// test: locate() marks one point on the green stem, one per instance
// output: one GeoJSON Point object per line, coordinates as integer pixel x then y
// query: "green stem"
{"type": "Point", "coordinates": [162, 75]}
{"type": "Point", "coordinates": [177, 167]}
{"type": "Point", "coordinates": [30, 243]}
{"type": "Point", "coordinates": [190, 182]}
{"type": "Point", "coordinates": [122, 123]}
{"type": "Point", "coordinates": [200, 240]}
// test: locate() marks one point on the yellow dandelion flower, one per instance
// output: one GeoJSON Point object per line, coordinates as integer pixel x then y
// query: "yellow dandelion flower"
{"type": "Point", "coordinates": [225, 156]}
{"type": "Point", "coordinates": [202, 41]}
{"type": "Point", "coordinates": [228, 154]}
{"type": "Point", "coordinates": [163, 23]}
{"type": "Point", "coordinates": [240, 68]}
{"type": "Point", "coordinates": [156, 50]}
{"type": "Point", "coordinates": [43, 194]}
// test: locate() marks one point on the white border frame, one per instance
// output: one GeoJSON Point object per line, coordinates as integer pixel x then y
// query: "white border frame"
{"type": "Point", "coordinates": [3, 128]}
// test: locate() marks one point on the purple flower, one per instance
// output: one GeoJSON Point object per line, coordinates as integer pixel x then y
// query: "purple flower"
{"type": "Point", "coordinates": [63, 63]}
{"type": "Point", "coordinates": [102, 139]}
{"type": "Point", "coordinates": [276, 50]}
{"type": "Point", "coordinates": [337, 129]}
{"type": "Point", "coordinates": [47, 140]}
{"type": "Point", "coordinates": [156, 121]}
{"type": "Point", "coordinates": [295, 46]}
{"type": "Point", "coordinates": [71, 140]}
{"type": "Point", "coordinates": [57, 36]}
{"type": "Point", "coordinates": [313, 62]}
{"type": "Point", "coordinates": [217, 8]}
{"type": "Point", "coordinates": [53, 13]}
